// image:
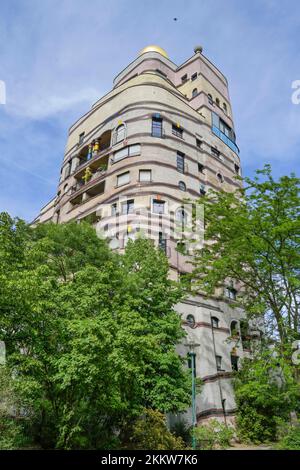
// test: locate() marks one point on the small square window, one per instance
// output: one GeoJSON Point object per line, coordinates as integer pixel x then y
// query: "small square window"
{"type": "Point", "coordinates": [194, 76]}
{"type": "Point", "coordinates": [215, 152]}
{"type": "Point", "coordinates": [145, 175]}
{"type": "Point", "coordinates": [237, 169]}
{"type": "Point", "coordinates": [184, 78]}
{"type": "Point", "coordinates": [124, 178]}
{"type": "Point", "coordinates": [199, 143]}
{"type": "Point", "coordinates": [214, 322]}
{"type": "Point", "coordinates": [177, 130]}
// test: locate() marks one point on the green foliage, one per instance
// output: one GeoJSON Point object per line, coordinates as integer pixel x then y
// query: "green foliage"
{"type": "Point", "coordinates": [265, 391]}
{"type": "Point", "coordinates": [11, 421]}
{"type": "Point", "coordinates": [254, 238]}
{"type": "Point", "coordinates": [151, 433]}
{"type": "Point", "coordinates": [183, 430]}
{"type": "Point", "coordinates": [90, 335]}
{"type": "Point", "coordinates": [213, 435]}
{"type": "Point", "coordinates": [291, 439]}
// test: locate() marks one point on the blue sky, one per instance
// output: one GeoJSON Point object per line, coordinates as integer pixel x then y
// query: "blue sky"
{"type": "Point", "coordinates": [58, 56]}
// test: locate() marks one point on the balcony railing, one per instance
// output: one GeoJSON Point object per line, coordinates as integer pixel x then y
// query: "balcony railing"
{"type": "Point", "coordinates": [93, 156]}
{"type": "Point", "coordinates": [225, 139]}
{"type": "Point", "coordinates": [85, 185]}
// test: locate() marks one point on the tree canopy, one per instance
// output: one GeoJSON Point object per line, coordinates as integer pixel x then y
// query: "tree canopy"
{"type": "Point", "coordinates": [90, 334]}
{"type": "Point", "coordinates": [252, 239]}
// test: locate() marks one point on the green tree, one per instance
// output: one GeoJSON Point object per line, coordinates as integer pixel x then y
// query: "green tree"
{"type": "Point", "coordinates": [254, 236]}
{"type": "Point", "coordinates": [90, 334]}
{"type": "Point", "coordinates": [266, 392]}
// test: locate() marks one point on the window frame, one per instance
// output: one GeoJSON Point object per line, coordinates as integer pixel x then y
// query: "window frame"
{"type": "Point", "coordinates": [155, 127]}
{"type": "Point", "coordinates": [180, 162]}
{"type": "Point", "coordinates": [177, 131]}
{"type": "Point", "coordinates": [122, 174]}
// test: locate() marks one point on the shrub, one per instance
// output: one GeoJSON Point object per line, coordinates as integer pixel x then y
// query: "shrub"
{"type": "Point", "coordinates": [150, 432]}
{"type": "Point", "coordinates": [213, 435]}
{"type": "Point", "coordinates": [291, 441]}
{"type": "Point", "coordinates": [265, 391]}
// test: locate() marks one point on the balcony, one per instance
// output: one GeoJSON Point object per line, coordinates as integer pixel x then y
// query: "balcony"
{"type": "Point", "coordinates": [225, 139]}
{"type": "Point", "coordinates": [95, 149]}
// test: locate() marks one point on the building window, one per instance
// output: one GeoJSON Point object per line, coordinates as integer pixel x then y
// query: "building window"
{"type": "Point", "coordinates": [181, 216]}
{"type": "Point", "coordinates": [129, 151]}
{"type": "Point", "coordinates": [145, 176]}
{"type": "Point", "coordinates": [180, 162]}
{"type": "Point", "coordinates": [217, 102]}
{"type": "Point", "coordinates": [214, 322]}
{"type": "Point", "coordinates": [230, 293]}
{"type": "Point", "coordinates": [128, 207]}
{"type": "Point", "coordinates": [120, 133]}
{"type": "Point", "coordinates": [184, 78]}
{"type": "Point", "coordinates": [67, 169]}
{"type": "Point", "coordinates": [194, 76]}
{"type": "Point", "coordinates": [81, 138]}
{"type": "Point", "coordinates": [162, 242]}
{"type": "Point", "coordinates": [220, 177]}
{"type": "Point", "coordinates": [156, 126]}
{"type": "Point", "coordinates": [202, 189]}
{"type": "Point", "coordinates": [199, 143]}
{"type": "Point", "coordinates": [200, 167]}
{"type": "Point", "coordinates": [220, 125]}
{"type": "Point", "coordinates": [210, 99]}
{"type": "Point", "coordinates": [234, 362]}
{"type": "Point", "coordinates": [177, 130]}
{"type": "Point", "coordinates": [114, 209]}
{"type": "Point", "coordinates": [219, 363]}
{"type": "Point", "coordinates": [234, 328]}
{"type": "Point", "coordinates": [215, 152]}
{"type": "Point", "coordinates": [237, 169]}
{"type": "Point", "coordinates": [225, 108]}
{"type": "Point", "coordinates": [194, 92]}
{"type": "Point", "coordinates": [158, 206]}
{"type": "Point", "coordinates": [124, 178]}
{"type": "Point", "coordinates": [191, 320]}
{"type": "Point", "coordinates": [182, 186]}
{"type": "Point", "coordinates": [65, 187]}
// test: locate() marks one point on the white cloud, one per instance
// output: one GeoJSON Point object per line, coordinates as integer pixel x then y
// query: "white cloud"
{"type": "Point", "coordinates": [49, 105]}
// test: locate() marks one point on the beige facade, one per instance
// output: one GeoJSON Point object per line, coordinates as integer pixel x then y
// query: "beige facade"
{"type": "Point", "coordinates": [162, 135]}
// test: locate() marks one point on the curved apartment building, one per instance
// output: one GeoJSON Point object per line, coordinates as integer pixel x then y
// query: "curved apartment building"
{"type": "Point", "coordinates": [164, 134]}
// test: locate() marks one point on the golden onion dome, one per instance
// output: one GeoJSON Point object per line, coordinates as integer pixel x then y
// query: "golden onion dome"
{"type": "Point", "coordinates": [153, 48]}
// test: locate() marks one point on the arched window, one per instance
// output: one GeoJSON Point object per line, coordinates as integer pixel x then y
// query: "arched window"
{"type": "Point", "coordinates": [191, 321]}
{"type": "Point", "coordinates": [234, 328]}
{"type": "Point", "coordinates": [210, 98]}
{"type": "Point", "coordinates": [120, 133]}
{"type": "Point", "coordinates": [225, 107]}
{"type": "Point", "coordinates": [182, 186]}
{"type": "Point", "coordinates": [214, 322]}
{"type": "Point", "coordinates": [194, 92]}
{"type": "Point", "coordinates": [220, 177]}
{"type": "Point", "coordinates": [217, 102]}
